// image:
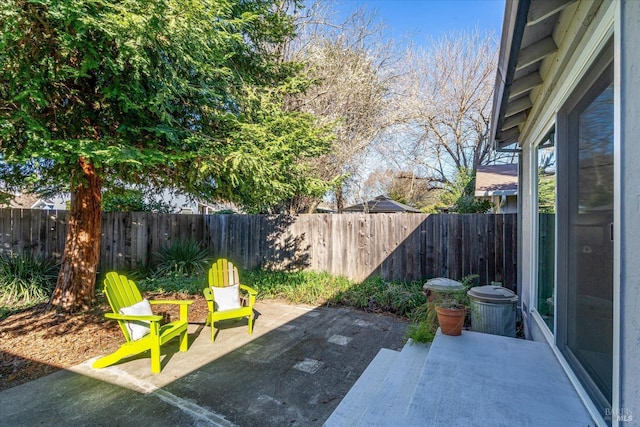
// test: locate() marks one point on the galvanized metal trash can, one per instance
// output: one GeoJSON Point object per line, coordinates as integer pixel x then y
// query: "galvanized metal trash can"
{"type": "Point", "coordinates": [493, 310]}
{"type": "Point", "coordinates": [441, 286]}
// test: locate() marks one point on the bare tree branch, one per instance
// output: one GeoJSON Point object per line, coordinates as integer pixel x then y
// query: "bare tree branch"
{"type": "Point", "coordinates": [444, 102]}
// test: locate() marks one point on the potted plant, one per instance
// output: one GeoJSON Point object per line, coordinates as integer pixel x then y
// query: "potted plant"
{"type": "Point", "coordinates": [442, 307]}
{"type": "Point", "coordinates": [451, 314]}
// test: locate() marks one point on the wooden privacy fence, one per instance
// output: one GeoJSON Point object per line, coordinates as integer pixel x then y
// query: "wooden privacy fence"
{"type": "Point", "coordinates": [394, 246]}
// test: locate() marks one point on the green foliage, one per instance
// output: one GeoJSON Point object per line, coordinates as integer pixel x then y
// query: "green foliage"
{"type": "Point", "coordinates": [170, 284]}
{"type": "Point", "coordinates": [423, 331]}
{"type": "Point", "coordinates": [470, 280]}
{"type": "Point", "coordinates": [187, 95]}
{"type": "Point", "coordinates": [133, 200]}
{"type": "Point", "coordinates": [298, 287]}
{"type": "Point", "coordinates": [182, 259]}
{"type": "Point", "coordinates": [374, 294]}
{"type": "Point", "coordinates": [459, 195]}
{"type": "Point", "coordinates": [289, 143]}
{"type": "Point", "coordinates": [377, 294]}
{"type": "Point", "coordinates": [425, 318]}
{"type": "Point", "coordinates": [454, 299]}
{"type": "Point", "coordinates": [302, 287]}
{"type": "Point", "coordinates": [5, 200]}
{"type": "Point", "coordinates": [26, 279]}
{"type": "Point", "coordinates": [546, 193]}
{"type": "Point", "coordinates": [469, 204]}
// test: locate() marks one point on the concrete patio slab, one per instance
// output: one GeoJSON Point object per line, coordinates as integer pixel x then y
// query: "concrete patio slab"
{"type": "Point", "coordinates": [241, 379]}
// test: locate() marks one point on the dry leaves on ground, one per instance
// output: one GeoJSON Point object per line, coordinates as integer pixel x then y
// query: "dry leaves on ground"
{"type": "Point", "coordinates": [37, 341]}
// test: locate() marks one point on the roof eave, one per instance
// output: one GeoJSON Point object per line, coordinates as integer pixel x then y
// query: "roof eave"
{"type": "Point", "coordinates": [496, 193]}
{"type": "Point", "coordinates": [513, 26]}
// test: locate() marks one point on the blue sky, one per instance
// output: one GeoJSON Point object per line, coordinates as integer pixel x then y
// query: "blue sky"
{"type": "Point", "coordinates": [426, 19]}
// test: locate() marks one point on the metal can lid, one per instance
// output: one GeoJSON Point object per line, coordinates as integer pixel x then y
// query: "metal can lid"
{"type": "Point", "coordinates": [443, 284]}
{"type": "Point", "coordinates": [491, 293]}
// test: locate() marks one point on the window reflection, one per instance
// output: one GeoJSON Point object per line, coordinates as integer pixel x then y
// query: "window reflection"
{"type": "Point", "coordinates": [590, 297]}
{"type": "Point", "coordinates": [546, 231]}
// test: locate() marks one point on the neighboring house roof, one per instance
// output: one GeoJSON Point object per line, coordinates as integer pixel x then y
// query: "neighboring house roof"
{"type": "Point", "coordinates": [381, 204]}
{"type": "Point", "coordinates": [31, 201]}
{"type": "Point", "coordinates": [497, 180]}
{"type": "Point", "coordinates": [45, 204]}
{"type": "Point", "coordinates": [24, 201]}
{"type": "Point", "coordinates": [325, 208]}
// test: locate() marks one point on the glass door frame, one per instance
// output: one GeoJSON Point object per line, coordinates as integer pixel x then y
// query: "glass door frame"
{"type": "Point", "coordinates": [548, 141]}
{"type": "Point", "coordinates": [599, 76]}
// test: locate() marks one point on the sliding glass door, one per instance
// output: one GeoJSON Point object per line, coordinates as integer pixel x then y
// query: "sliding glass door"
{"type": "Point", "coordinates": [585, 244]}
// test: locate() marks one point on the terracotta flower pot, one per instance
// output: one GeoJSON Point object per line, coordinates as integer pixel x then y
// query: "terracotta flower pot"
{"type": "Point", "coordinates": [451, 320]}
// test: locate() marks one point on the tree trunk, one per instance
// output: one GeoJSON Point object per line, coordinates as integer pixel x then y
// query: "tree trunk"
{"type": "Point", "coordinates": [75, 288]}
{"type": "Point", "coordinates": [339, 199]}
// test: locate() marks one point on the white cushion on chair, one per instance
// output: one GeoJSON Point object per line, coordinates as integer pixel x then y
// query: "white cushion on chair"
{"type": "Point", "coordinates": [137, 328]}
{"type": "Point", "coordinates": [226, 298]}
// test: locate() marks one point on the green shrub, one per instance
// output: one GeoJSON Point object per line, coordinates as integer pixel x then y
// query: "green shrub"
{"type": "Point", "coordinates": [377, 294]}
{"type": "Point", "coordinates": [363, 295]}
{"type": "Point", "coordinates": [424, 323]}
{"type": "Point", "coordinates": [305, 287]}
{"type": "Point", "coordinates": [402, 298]}
{"type": "Point", "coordinates": [422, 312]}
{"type": "Point", "coordinates": [26, 279]}
{"type": "Point", "coordinates": [424, 318]}
{"type": "Point", "coordinates": [169, 284]}
{"type": "Point", "coordinates": [182, 259]}
{"type": "Point", "coordinates": [423, 331]}
{"type": "Point", "coordinates": [374, 294]}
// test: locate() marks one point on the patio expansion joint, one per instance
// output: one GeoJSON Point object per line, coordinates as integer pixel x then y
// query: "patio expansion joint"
{"type": "Point", "coordinates": [120, 376]}
{"type": "Point", "coordinates": [195, 411]}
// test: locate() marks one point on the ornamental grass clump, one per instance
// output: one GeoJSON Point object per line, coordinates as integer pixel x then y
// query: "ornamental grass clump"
{"type": "Point", "coordinates": [379, 295]}
{"type": "Point", "coordinates": [26, 279]}
{"type": "Point", "coordinates": [306, 287]}
{"type": "Point", "coordinates": [425, 318]}
{"type": "Point", "coordinates": [182, 259]}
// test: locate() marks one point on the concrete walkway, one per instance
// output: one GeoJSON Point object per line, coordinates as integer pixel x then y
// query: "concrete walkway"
{"type": "Point", "coordinates": [294, 370]}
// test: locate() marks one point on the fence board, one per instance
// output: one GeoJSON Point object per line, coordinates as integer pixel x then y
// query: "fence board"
{"type": "Point", "coordinates": [483, 247]}
{"type": "Point", "coordinates": [16, 232]}
{"type": "Point", "coordinates": [511, 258]}
{"type": "Point", "coordinates": [394, 246]}
{"type": "Point", "coordinates": [62, 220]}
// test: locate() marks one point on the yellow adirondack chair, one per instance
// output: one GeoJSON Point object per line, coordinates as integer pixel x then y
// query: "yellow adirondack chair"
{"type": "Point", "coordinates": [223, 296]}
{"type": "Point", "coordinates": [122, 294]}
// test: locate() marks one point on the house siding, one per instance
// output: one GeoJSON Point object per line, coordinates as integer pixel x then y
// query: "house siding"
{"type": "Point", "coordinates": [582, 33]}
{"type": "Point", "coordinates": [578, 46]}
{"type": "Point", "coordinates": [626, 386]}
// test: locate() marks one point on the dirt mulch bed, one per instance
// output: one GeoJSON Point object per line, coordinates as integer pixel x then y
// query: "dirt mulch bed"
{"type": "Point", "coordinates": [37, 342]}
